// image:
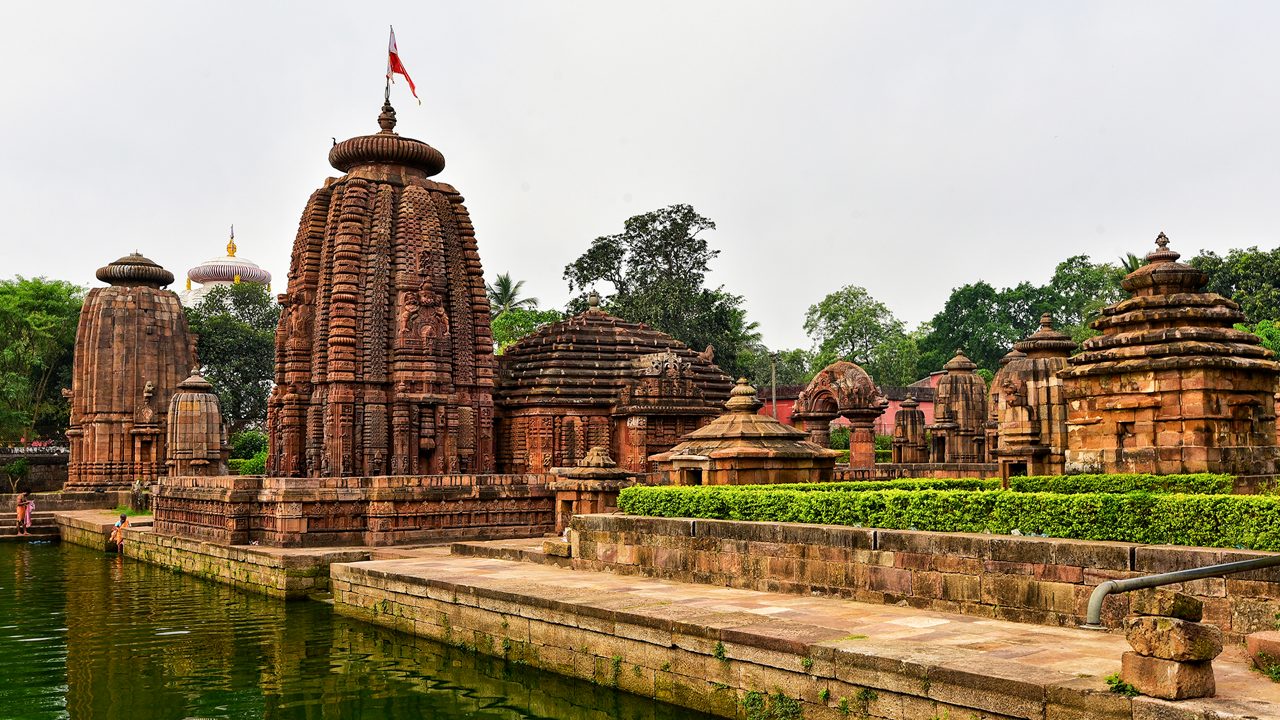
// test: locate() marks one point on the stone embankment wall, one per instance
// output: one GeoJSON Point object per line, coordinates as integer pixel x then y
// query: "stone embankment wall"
{"type": "Point", "coordinates": [1024, 579]}
{"type": "Point", "coordinates": [919, 470]}
{"type": "Point", "coordinates": [93, 528]}
{"type": "Point", "coordinates": [288, 575]}
{"type": "Point", "coordinates": [47, 470]}
{"type": "Point", "coordinates": [316, 512]}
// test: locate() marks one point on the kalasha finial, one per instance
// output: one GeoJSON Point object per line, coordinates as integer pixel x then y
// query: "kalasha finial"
{"type": "Point", "coordinates": [387, 118]}
{"type": "Point", "coordinates": [1162, 253]}
{"type": "Point", "coordinates": [593, 300]}
{"type": "Point", "coordinates": [1163, 241]}
{"type": "Point", "coordinates": [231, 244]}
{"type": "Point", "coordinates": [1046, 321]}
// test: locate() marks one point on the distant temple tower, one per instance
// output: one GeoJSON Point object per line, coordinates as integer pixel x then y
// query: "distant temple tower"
{"type": "Point", "coordinates": [132, 350]}
{"type": "Point", "coordinates": [909, 444]}
{"type": "Point", "coordinates": [196, 444]}
{"type": "Point", "coordinates": [1032, 409]}
{"type": "Point", "coordinates": [229, 270]}
{"type": "Point", "coordinates": [384, 356]}
{"type": "Point", "coordinates": [1170, 386]}
{"type": "Point", "coordinates": [959, 414]}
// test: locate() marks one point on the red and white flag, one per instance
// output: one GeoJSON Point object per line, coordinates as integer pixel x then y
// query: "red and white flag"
{"type": "Point", "coordinates": [394, 66]}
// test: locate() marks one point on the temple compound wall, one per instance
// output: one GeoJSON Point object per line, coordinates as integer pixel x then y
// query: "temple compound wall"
{"type": "Point", "coordinates": [598, 380]}
{"type": "Point", "coordinates": [384, 356]}
{"type": "Point", "coordinates": [1170, 386]}
{"type": "Point", "coordinates": [132, 349]}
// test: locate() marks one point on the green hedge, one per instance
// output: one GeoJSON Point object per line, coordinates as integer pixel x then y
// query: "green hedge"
{"type": "Point", "coordinates": [1197, 484]}
{"type": "Point", "coordinates": [1234, 521]}
{"type": "Point", "coordinates": [256, 465]}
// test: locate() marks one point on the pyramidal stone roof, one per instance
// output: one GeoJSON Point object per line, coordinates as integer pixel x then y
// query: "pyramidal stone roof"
{"type": "Point", "coordinates": [742, 431]}
{"type": "Point", "coordinates": [1170, 322]}
{"type": "Point", "coordinates": [590, 357]}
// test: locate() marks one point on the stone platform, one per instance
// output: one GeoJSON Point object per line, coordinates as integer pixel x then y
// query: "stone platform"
{"type": "Point", "coordinates": [92, 528]}
{"type": "Point", "coordinates": [735, 652]}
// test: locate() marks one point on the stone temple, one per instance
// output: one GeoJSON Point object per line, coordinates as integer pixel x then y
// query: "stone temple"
{"type": "Point", "coordinates": [1170, 386]}
{"type": "Point", "coordinates": [384, 357]}
{"type": "Point", "coordinates": [598, 380]}
{"type": "Point", "coordinates": [132, 350]}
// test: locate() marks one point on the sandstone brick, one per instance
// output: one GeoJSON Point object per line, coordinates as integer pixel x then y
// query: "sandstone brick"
{"type": "Point", "coordinates": [1263, 648]}
{"type": "Point", "coordinates": [1155, 601]}
{"type": "Point", "coordinates": [1173, 639]}
{"type": "Point", "coordinates": [1167, 679]}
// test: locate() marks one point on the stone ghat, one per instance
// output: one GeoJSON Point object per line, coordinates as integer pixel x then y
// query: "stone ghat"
{"type": "Point", "coordinates": [282, 573]}
{"type": "Point", "coordinates": [92, 528]}
{"type": "Point", "coordinates": [742, 653]}
{"type": "Point", "coordinates": [374, 511]}
{"type": "Point", "coordinates": [1045, 581]}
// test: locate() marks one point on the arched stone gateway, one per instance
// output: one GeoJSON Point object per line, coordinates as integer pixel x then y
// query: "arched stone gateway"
{"type": "Point", "coordinates": [842, 389]}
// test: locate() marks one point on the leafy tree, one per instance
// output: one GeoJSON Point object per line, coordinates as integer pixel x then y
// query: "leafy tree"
{"type": "Point", "coordinates": [38, 319]}
{"type": "Point", "coordinates": [794, 367]}
{"type": "Point", "coordinates": [849, 324]}
{"type": "Point", "coordinates": [236, 326]}
{"type": "Point", "coordinates": [1130, 262]}
{"type": "Point", "coordinates": [247, 443]}
{"type": "Point", "coordinates": [657, 268]}
{"type": "Point", "coordinates": [1268, 331]}
{"type": "Point", "coordinates": [504, 295]}
{"type": "Point", "coordinates": [976, 320]}
{"type": "Point", "coordinates": [1078, 291]}
{"type": "Point", "coordinates": [895, 360]}
{"type": "Point", "coordinates": [15, 472]}
{"type": "Point", "coordinates": [511, 325]}
{"type": "Point", "coordinates": [1251, 277]}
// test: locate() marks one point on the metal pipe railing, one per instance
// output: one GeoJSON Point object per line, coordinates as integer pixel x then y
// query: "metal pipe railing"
{"type": "Point", "coordinates": [1093, 620]}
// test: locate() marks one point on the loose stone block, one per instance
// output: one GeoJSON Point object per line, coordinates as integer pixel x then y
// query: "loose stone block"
{"type": "Point", "coordinates": [1173, 639]}
{"type": "Point", "coordinates": [1263, 648]}
{"type": "Point", "coordinates": [1167, 679]}
{"type": "Point", "coordinates": [1166, 603]}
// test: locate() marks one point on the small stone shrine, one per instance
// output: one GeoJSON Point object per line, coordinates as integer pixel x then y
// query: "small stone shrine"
{"type": "Point", "coordinates": [598, 380]}
{"type": "Point", "coordinates": [909, 444]}
{"type": "Point", "coordinates": [132, 350]}
{"type": "Point", "coordinates": [742, 447]}
{"type": "Point", "coordinates": [1032, 409]}
{"type": "Point", "coordinates": [384, 357]}
{"type": "Point", "coordinates": [959, 414]}
{"type": "Point", "coordinates": [592, 486]}
{"type": "Point", "coordinates": [1170, 386]}
{"type": "Point", "coordinates": [197, 444]}
{"type": "Point", "coordinates": [842, 389]}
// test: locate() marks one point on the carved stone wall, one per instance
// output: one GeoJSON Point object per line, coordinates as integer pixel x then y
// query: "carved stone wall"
{"type": "Point", "coordinates": [384, 356]}
{"type": "Point", "coordinates": [598, 380]}
{"type": "Point", "coordinates": [1170, 386]}
{"type": "Point", "coordinates": [959, 414]}
{"type": "Point", "coordinates": [132, 350]}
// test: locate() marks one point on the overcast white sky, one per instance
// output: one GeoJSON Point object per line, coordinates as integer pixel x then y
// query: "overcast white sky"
{"type": "Point", "coordinates": [906, 147]}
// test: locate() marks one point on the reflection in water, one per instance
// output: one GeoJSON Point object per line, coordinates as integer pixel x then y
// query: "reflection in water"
{"type": "Point", "coordinates": [97, 636]}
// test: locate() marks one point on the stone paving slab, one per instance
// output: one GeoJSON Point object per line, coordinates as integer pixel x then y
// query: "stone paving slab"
{"type": "Point", "coordinates": [782, 622]}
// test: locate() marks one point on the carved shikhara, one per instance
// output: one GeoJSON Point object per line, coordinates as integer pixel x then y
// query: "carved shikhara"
{"type": "Point", "coordinates": [133, 348]}
{"type": "Point", "coordinates": [384, 355]}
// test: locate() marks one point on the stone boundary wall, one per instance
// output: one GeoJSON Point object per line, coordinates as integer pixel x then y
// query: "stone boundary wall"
{"type": "Point", "coordinates": [1045, 581]}
{"type": "Point", "coordinates": [66, 501]}
{"type": "Point", "coordinates": [318, 512]}
{"type": "Point", "coordinates": [48, 469]}
{"type": "Point", "coordinates": [716, 663]}
{"type": "Point", "coordinates": [287, 575]}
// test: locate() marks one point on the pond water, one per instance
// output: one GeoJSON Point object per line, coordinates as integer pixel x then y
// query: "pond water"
{"type": "Point", "coordinates": [89, 635]}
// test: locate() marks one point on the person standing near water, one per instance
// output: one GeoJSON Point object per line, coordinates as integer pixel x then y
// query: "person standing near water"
{"type": "Point", "coordinates": [24, 509]}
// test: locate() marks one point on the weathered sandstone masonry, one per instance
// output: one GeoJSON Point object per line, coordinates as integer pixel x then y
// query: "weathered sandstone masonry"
{"type": "Point", "coordinates": [285, 574]}
{"type": "Point", "coordinates": [318, 512]}
{"type": "Point", "coordinates": [1024, 579]}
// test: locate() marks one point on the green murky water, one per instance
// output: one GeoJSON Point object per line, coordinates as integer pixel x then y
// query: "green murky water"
{"type": "Point", "coordinates": [88, 635]}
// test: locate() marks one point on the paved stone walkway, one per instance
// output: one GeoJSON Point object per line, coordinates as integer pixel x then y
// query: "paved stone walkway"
{"type": "Point", "coordinates": [1073, 651]}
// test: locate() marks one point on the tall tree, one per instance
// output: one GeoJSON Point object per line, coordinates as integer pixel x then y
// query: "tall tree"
{"type": "Point", "coordinates": [236, 326]}
{"type": "Point", "coordinates": [504, 295]}
{"type": "Point", "coordinates": [511, 325]}
{"type": "Point", "coordinates": [849, 324]}
{"type": "Point", "coordinates": [656, 268]}
{"type": "Point", "coordinates": [38, 319]}
{"type": "Point", "coordinates": [1250, 276]}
